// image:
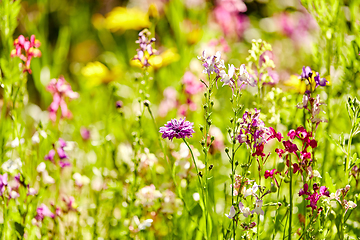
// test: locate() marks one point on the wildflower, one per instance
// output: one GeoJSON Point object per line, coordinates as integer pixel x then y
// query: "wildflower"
{"type": "Point", "coordinates": [145, 50]}
{"type": "Point", "coordinates": [85, 133]}
{"type": "Point", "coordinates": [50, 156]}
{"type": "Point", "coordinates": [3, 183]}
{"type": "Point", "coordinates": [80, 180]}
{"type": "Point", "coordinates": [12, 165]}
{"type": "Point", "coordinates": [258, 206]}
{"type": "Point", "coordinates": [251, 191]}
{"type": "Point", "coordinates": [43, 211]}
{"type": "Point", "coordinates": [212, 64]}
{"type": "Point", "coordinates": [244, 210]}
{"type": "Point", "coordinates": [145, 224]}
{"type": "Point", "coordinates": [232, 213]}
{"type": "Point", "coordinates": [227, 77]}
{"type": "Point", "coordinates": [306, 73]}
{"type": "Point", "coordinates": [147, 195]}
{"type": "Point", "coordinates": [177, 128]}
{"type": "Point", "coordinates": [320, 81]}
{"type": "Point", "coordinates": [270, 173]}
{"type": "Point", "coordinates": [304, 190]}
{"type": "Point", "coordinates": [290, 147]}
{"type": "Point", "coordinates": [26, 50]}
{"type": "Point", "coordinates": [60, 89]}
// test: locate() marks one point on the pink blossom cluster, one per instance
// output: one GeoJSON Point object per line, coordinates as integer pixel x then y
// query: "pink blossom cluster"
{"type": "Point", "coordinates": [61, 90]}
{"type": "Point", "coordinates": [26, 49]}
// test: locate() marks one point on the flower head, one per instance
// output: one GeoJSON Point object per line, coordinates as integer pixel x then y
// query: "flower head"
{"type": "Point", "coordinates": [177, 128]}
{"type": "Point", "coordinates": [26, 49]}
{"type": "Point", "coordinates": [43, 211]}
{"type": "Point", "coordinates": [61, 90]}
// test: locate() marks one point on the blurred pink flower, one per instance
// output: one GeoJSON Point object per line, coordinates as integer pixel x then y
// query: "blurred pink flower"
{"type": "Point", "coordinates": [43, 211]}
{"type": "Point", "coordinates": [60, 89]}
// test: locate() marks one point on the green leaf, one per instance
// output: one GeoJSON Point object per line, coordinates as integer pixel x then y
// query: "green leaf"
{"type": "Point", "coordinates": [329, 183]}
{"type": "Point", "coordinates": [20, 229]}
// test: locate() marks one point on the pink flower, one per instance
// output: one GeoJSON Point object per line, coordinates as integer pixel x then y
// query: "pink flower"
{"type": "Point", "coordinates": [43, 211]}
{"type": "Point", "coordinates": [192, 84]}
{"type": "Point", "coordinates": [61, 90]}
{"type": "Point", "coordinates": [270, 173]}
{"type": "Point", "coordinates": [29, 48]}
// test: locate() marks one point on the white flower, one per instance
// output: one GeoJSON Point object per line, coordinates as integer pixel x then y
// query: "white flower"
{"type": "Point", "coordinates": [46, 178]}
{"type": "Point", "coordinates": [245, 210]}
{"type": "Point", "coordinates": [41, 167]}
{"type": "Point", "coordinates": [244, 77]}
{"type": "Point", "coordinates": [226, 78]}
{"type": "Point", "coordinates": [16, 142]}
{"type": "Point", "coordinates": [145, 224]}
{"type": "Point", "coordinates": [35, 138]}
{"type": "Point", "coordinates": [258, 206]}
{"type": "Point", "coordinates": [251, 191]}
{"type": "Point", "coordinates": [351, 204]}
{"type": "Point", "coordinates": [12, 165]}
{"type": "Point", "coordinates": [232, 213]}
{"type": "Point", "coordinates": [316, 174]}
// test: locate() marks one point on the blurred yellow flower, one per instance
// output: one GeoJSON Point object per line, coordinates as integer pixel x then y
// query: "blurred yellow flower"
{"type": "Point", "coordinates": [296, 84]}
{"type": "Point", "coordinates": [97, 73]}
{"type": "Point", "coordinates": [121, 18]}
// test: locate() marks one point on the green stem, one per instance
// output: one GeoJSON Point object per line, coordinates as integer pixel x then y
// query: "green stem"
{"type": "Point", "coordinates": [291, 200]}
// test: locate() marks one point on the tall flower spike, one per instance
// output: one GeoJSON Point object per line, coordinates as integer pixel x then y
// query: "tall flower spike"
{"type": "Point", "coordinates": [146, 50]}
{"type": "Point", "coordinates": [178, 129]}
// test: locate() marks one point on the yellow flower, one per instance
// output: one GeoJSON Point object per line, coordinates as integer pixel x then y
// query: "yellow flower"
{"type": "Point", "coordinates": [296, 84]}
{"type": "Point", "coordinates": [126, 18]}
{"type": "Point", "coordinates": [97, 73]}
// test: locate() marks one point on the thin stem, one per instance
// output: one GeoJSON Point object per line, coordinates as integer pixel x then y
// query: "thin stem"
{"type": "Point", "coordinates": [291, 199]}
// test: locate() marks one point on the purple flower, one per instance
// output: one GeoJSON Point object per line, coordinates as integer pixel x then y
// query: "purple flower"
{"type": "Point", "coordinates": [306, 73]}
{"type": "Point", "coordinates": [177, 128]}
{"type": "Point", "coordinates": [43, 211]}
{"type": "Point", "coordinates": [304, 190]}
{"type": "Point", "coordinates": [324, 191]}
{"type": "Point", "coordinates": [50, 155]}
{"type": "Point", "coordinates": [64, 164]}
{"type": "Point", "coordinates": [320, 81]}
{"type": "Point", "coordinates": [62, 143]}
{"type": "Point", "coordinates": [61, 153]}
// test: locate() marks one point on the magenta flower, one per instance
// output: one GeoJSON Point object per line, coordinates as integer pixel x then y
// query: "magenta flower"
{"type": "Point", "coordinates": [43, 211]}
{"type": "Point", "coordinates": [50, 156]}
{"type": "Point", "coordinates": [270, 174]}
{"type": "Point", "coordinates": [177, 128]}
{"type": "Point", "coordinates": [61, 153]}
{"type": "Point", "coordinates": [290, 147]}
{"type": "Point", "coordinates": [29, 48]}
{"type": "Point", "coordinates": [3, 183]}
{"type": "Point", "coordinates": [304, 191]}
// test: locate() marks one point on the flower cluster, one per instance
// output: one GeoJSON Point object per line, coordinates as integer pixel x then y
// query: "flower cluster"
{"type": "Point", "coordinates": [147, 195]}
{"type": "Point", "coordinates": [146, 50]}
{"type": "Point", "coordinates": [254, 133]}
{"type": "Point", "coordinates": [339, 196]}
{"type": "Point", "coordinates": [315, 196]}
{"type": "Point", "coordinates": [26, 49]}
{"type": "Point", "coordinates": [60, 89]}
{"type": "Point", "coordinates": [304, 156]}
{"type": "Point", "coordinates": [313, 106]}
{"type": "Point", "coordinates": [308, 76]}
{"type": "Point", "coordinates": [60, 152]}
{"type": "Point", "coordinates": [212, 64]}
{"type": "Point", "coordinates": [177, 128]}
{"type": "Point", "coordinates": [240, 184]}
